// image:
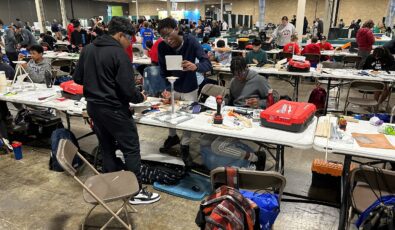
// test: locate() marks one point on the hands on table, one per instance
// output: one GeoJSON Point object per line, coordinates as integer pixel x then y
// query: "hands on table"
{"type": "Point", "coordinates": [188, 66]}
{"type": "Point", "coordinates": [252, 102]}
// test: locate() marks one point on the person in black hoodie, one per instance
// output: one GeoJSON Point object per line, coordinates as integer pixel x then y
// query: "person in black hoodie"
{"type": "Point", "coordinates": [380, 59]}
{"type": "Point", "coordinates": [105, 71]}
{"type": "Point", "coordinates": [186, 87]}
{"type": "Point", "coordinates": [79, 37]}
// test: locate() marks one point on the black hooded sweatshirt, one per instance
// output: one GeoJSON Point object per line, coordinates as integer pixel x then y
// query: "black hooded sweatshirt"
{"type": "Point", "coordinates": [105, 71]}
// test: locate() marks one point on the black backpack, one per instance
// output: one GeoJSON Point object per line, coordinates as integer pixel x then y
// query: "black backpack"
{"type": "Point", "coordinates": [163, 173]}
{"type": "Point", "coordinates": [56, 136]}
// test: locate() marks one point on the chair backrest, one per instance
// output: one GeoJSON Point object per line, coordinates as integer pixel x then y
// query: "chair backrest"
{"type": "Point", "coordinates": [137, 52]}
{"type": "Point", "coordinates": [61, 63]}
{"type": "Point", "coordinates": [351, 61]}
{"type": "Point", "coordinates": [312, 57]}
{"type": "Point", "coordinates": [367, 174]}
{"type": "Point", "coordinates": [283, 55]}
{"type": "Point", "coordinates": [332, 65]}
{"type": "Point", "coordinates": [62, 48]}
{"type": "Point", "coordinates": [65, 155]}
{"type": "Point", "coordinates": [212, 90]}
{"type": "Point", "coordinates": [252, 180]}
{"type": "Point", "coordinates": [367, 86]}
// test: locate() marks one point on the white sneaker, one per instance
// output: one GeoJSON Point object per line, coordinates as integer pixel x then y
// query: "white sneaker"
{"type": "Point", "coordinates": [145, 197]}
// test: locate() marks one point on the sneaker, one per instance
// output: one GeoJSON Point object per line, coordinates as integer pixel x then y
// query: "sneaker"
{"type": "Point", "coordinates": [145, 197]}
{"type": "Point", "coordinates": [169, 142]}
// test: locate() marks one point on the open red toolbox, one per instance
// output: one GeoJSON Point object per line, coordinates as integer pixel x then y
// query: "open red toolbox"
{"type": "Point", "coordinates": [288, 115]}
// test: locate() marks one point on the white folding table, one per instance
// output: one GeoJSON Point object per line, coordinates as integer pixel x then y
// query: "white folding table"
{"type": "Point", "coordinates": [353, 150]}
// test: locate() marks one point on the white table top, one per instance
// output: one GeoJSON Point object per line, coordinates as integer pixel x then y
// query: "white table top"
{"type": "Point", "coordinates": [352, 74]}
{"type": "Point", "coordinates": [61, 55]}
{"type": "Point", "coordinates": [338, 53]}
{"type": "Point", "coordinates": [354, 149]}
{"type": "Point", "coordinates": [142, 60]}
{"type": "Point", "coordinates": [201, 124]}
{"type": "Point", "coordinates": [58, 42]}
{"type": "Point", "coordinates": [273, 71]}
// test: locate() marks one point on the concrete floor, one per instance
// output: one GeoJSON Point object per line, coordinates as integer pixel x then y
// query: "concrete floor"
{"type": "Point", "coordinates": [32, 197]}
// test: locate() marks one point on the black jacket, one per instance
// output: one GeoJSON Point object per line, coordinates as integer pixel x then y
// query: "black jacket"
{"type": "Point", "coordinates": [190, 51]}
{"type": "Point", "coordinates": [372, 63]}
{"type": "Point", "coordinates": [105, 71]}
{"type": "Point", "coordinates": [79, 38]}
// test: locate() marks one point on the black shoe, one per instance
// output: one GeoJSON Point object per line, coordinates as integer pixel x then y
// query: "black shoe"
{"type": "Point", "coordinates": [261, 163]}
{"type": "Point", "coordinates": [186, 157]}
{"type": "Point", "coordinates": [169, 142]}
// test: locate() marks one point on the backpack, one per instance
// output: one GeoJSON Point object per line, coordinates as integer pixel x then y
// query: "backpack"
{"type": "Point", "coordinates": [318, 97]}
{"type": "Point", "coordinates": [163, 173]}
{"type": "Point", "coordinates": [298, 66]}
{"type": "Point", "coordinates": [381, 214]}
{"type": "Point", "coordinates": [227, 208]}
{"type": "Point", "coordinates": [56, 136]}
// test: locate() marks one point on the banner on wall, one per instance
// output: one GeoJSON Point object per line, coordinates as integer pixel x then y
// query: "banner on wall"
{"type": "Point", "coordinates": [389, 19]}
{"type": "Point", "coordinates": [181, 14]}
{"type": "Point", "coordinates": [116, 11]}
{"type": "Point", "coordinates": [262, 6]}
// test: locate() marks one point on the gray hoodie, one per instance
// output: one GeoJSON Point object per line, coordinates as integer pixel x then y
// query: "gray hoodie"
{"type": "Point", "coordinates": [283, 34]}
{"type": "Point", "coordinates": [10, 41]}
{"type": "Point", "coordinates": [37, 71]}
{"type": "Point", "coordinates": [255, 85]}
{"type": "Point", "coordinates": [28, 38]}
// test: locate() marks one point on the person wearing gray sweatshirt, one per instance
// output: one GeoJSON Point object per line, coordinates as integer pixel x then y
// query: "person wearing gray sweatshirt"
{"type": "Point", "coordinates": [283, 33]}
{"type": "Point", "coordinates": [10, 45]}
{"type": "Point", "coordinates": [37, 66]}
{"type": "Point", "coordinates": [28, 38]}
{"type": "Point", "coordinates": [247, 88]}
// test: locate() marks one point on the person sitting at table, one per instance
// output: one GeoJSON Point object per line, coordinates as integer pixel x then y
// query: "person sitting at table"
{"type": "Point", "coordinates": [312, 48]}
{"type": "Point", "coordinates": [38, 65]}
{"type": "Point", "coordinates": [325, 45]}
{"type": "Point", "coordinates": [247, 88]}
{"type": "Point", "coordinates": [257, 55]}
{"type": "Point", "coordinates": [47, 38]}
{"type": "Point", "coordinates": [4, 111]}
{"type": "Point", "coordinates": [292, 47]}
{"type": "Point", "coordinates": [205, 45]}
{"type": "Point", "coordinates": [223, 55]}
{"type": "Point", "coordinates": [380, 59]}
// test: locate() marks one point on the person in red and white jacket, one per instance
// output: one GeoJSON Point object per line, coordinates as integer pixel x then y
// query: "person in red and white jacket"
{"type": "Point", "coordinates": [153, 52]}
{"type": "Point", "coordinates": [324, 45]}
{"type": "Point", "coordinates": [365, 40]}
{"type": "Point", "coordinates": [312, 48]}
{"type": "Point", "coordinates": [292, 47]}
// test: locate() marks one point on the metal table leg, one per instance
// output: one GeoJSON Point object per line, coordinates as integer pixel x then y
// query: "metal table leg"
{"type": "Point", "coordinates": [278, 158]}
{"type": "Point", "coordinates": [343, 218]}
{"type": "Point", "coordinates": [328, 88]}
{"type": "Point", "coordinates": [68, 121]}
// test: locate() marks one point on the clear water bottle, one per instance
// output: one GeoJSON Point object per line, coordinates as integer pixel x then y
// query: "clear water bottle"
{"type": "Point", "coordinates": [3, 82]}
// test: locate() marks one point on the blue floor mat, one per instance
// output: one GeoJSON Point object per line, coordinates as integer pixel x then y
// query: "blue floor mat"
{"type": "Point", "coordinates": [192, 187]}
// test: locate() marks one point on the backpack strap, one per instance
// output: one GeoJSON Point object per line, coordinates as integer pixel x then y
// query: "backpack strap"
{"type": "Point", "coordinates": [232, 177]}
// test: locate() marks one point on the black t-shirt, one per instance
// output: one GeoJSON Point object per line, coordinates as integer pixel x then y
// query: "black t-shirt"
{"type": "Point", "coordinates": [378, 64]}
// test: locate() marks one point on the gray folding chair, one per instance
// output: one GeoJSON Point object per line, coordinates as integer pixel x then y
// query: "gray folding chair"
{"type": "Point", "coordinates": [366, 87]}
{"type": "Point", "coordinates": [101, 189]}
{"type": "Point", "coordinates": [57, 64]}
{"type": "Point", "coordinates": [334, 84]}
{"type": "Point", "coordinates": [212, 90]}
{"type": "Point", "coordinates": [252, 180]}
{"type": "Point", "coordinates": [362, 180]}
{"type": "Point", "coordinates": [351, 61]}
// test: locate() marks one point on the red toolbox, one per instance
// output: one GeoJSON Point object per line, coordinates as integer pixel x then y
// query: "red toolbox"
{"type": "Point", "coordinates": [72, 90]}
{"type": "Point", "coordinates": [288, 115]}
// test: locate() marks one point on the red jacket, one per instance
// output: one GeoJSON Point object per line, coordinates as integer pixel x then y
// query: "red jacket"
{"type": "Point", "coordinates": [153, 52]}
{"type": "Point", "coordinates": [70, 29]}
{"type": "Point", "coordinates": [312, 49]}
{"type": "Point", "coordinates": [129, 50]}
{"type": "Point", "coordinates": [365, 39]}
{"type": "Point", "coordinates": [326, 46]}
{"type": "Point", "coordinates": [289, 48]}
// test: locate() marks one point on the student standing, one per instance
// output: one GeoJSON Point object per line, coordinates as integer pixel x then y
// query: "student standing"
{"type": "Point", "coordinates": [79, 37]}
{"type": "Point", "coordinates": [147, 34]}
{"type": "Point", "coordinates": [283, 33]}
{"type": "Point", "coordinates": [365, 40]}
{"type": "Point", "coordinates": [105, 71]}
{"type": "Point", "coordinates": [186, 87]}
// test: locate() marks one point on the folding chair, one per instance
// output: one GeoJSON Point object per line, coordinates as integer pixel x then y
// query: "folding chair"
{"type": "Point", "coordinates": [313, 58]}
{"type": "Point", "coordinates": [366, 87]}
{"type": "Point", "coordinates": [334, 84]}
{"type": "Point", "coordinates": [252, 180]}
{"type": "Point", "coordinates": [212, 90]}
{"type": "Point", "coordinates": [58, 64]}
{"type": "Point", "coordinates": [351, 62]}
{"type": "Point", "coordinates": [62, 48]}
{"type": "Point", "coordinates": [101, 189]}
{"type": "Point", "coordinates": [361, 194]}
{"type": "Point", "coordinates": [283, 55]}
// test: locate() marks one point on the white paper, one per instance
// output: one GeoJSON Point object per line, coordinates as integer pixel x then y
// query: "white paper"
{"type": "Point", "coordinates": [173, 62]}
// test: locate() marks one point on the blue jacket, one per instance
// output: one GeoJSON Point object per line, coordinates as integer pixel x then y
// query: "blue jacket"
{"type": "Point", "coordinates": [190, 51]}
{"type": "Point", "coordinates": [147, 34]}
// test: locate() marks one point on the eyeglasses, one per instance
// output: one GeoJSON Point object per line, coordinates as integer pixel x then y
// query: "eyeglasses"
{"type": "Point", "coordinates": [166, 36]}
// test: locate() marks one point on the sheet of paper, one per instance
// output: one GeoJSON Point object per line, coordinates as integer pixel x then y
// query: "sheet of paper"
{"type": "Point", "coordinates": [372, 141]}
{"type": "Point", "coordinates": [173, 62]}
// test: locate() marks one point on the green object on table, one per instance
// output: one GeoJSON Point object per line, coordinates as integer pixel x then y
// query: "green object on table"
{"type": "Point", "coordinates": [389, 130]}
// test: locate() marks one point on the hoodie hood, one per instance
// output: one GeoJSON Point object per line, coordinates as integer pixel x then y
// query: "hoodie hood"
{"type": "Point", "coordinates": [251, 75]}
{"type": "Point", "coordinates": [106, 40]}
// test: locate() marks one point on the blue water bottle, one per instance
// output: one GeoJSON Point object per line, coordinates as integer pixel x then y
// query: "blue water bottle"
{"type": "Point", "coordinates": [17, 146]}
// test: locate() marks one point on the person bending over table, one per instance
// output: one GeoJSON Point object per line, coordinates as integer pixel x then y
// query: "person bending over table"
{"type": "Point", "coordinates": [283, 33]}
{"type": "Point", "coordinates": [105, 72]}
{"type": "Point", "coordinates": [186, 87]}
{"type": "Point", "coordinates": [223, 54]}
{"type": "Point", "coordinates": [380, 59]}
{"type": "Point", "coordinates": [247, 88]}
{"type": "Point", "coordinates": [257, 55]}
